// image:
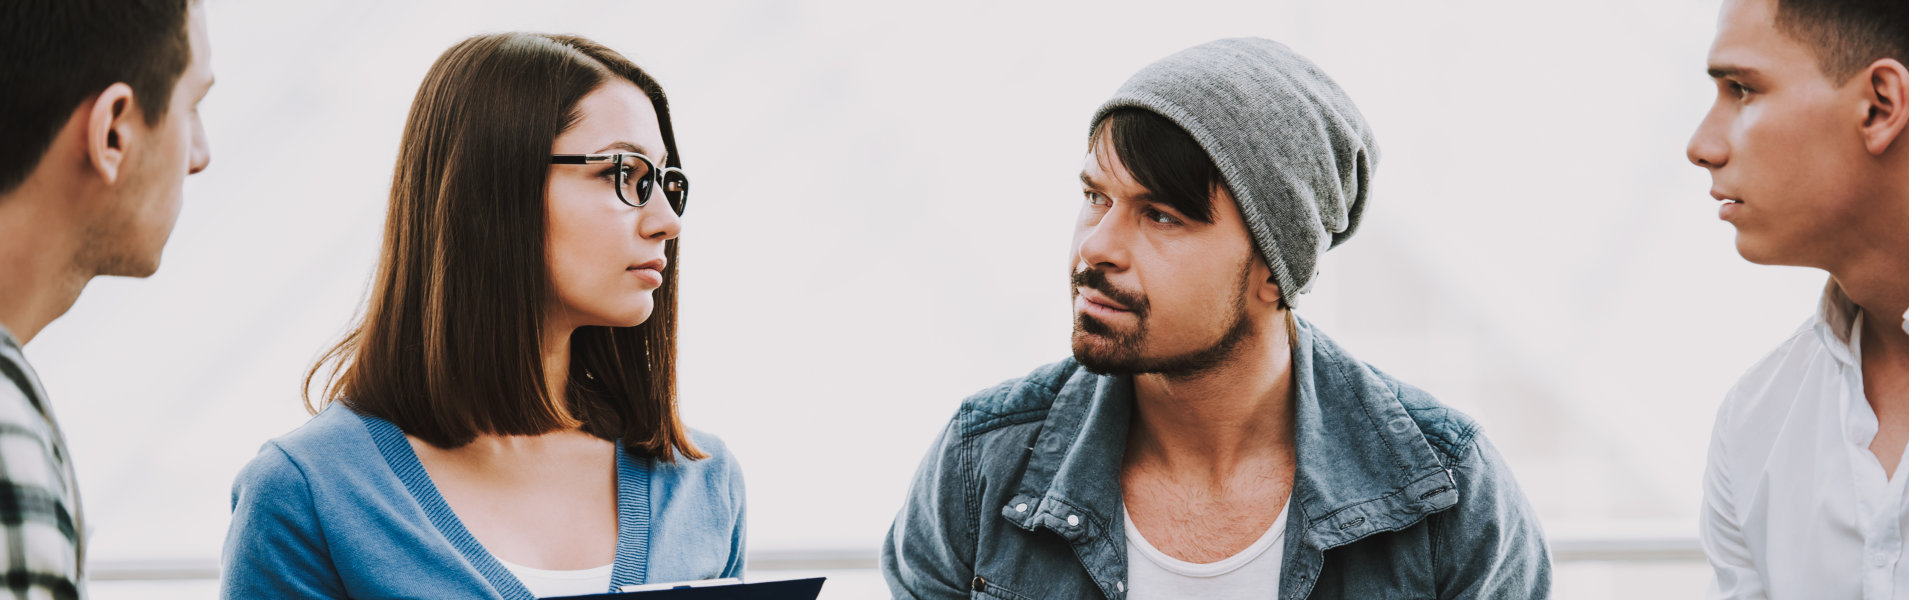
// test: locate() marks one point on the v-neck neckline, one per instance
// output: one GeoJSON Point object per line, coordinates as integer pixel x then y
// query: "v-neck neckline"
{"type": "Point", "coordinates": [634, 505]}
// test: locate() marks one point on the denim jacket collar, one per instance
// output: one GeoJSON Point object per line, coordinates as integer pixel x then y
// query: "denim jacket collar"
{"type": "Point", "coordinates": [1362, 465]}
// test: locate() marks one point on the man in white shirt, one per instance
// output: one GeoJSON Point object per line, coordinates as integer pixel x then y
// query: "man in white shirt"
{"type": "Point", "coordinates": [1806, 483]}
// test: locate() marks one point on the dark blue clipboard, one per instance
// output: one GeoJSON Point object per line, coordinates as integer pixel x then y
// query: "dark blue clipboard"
{"type": "Point", "coordinates": [791, 589]}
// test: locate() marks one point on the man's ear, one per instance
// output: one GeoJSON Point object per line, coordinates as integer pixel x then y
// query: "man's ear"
{"type": "Point", "coordinates": [1269, 289]}
{"type": "Point", "coordinates": [1886, 118]}
{"type": "Point", "coordinates": [110, 127]}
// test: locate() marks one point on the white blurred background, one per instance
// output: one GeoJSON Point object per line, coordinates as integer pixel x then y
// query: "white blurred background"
{"type": "Point", "coordinates": [885, 195]}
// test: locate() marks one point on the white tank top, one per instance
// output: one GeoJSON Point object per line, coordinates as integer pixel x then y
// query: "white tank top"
{"type": "Point", "coordinates": [1252, 573]}
{"type": "Point", "coordinates": [544, 583]}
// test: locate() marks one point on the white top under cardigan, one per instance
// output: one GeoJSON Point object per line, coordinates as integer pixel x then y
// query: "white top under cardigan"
{"type": "Point", "coordinates": [549, 583]}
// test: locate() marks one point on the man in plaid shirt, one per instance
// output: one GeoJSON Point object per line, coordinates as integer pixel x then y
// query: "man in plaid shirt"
{"type": "Point", "coordinates": [99, 127]}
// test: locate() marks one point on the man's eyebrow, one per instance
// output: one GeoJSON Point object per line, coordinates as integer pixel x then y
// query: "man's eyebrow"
{"type": "Point", "coordinates": [1147, 197]}
{"type": "Point", "coordinates": [1725, 71]}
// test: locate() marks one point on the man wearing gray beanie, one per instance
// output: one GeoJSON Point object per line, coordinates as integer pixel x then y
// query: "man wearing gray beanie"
{"type": "Point", "coordinates": [1203, 441]}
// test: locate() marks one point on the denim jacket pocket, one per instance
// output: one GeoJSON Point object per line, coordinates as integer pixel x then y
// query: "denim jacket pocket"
{"type": "Point", "coordinates": [982, 588]}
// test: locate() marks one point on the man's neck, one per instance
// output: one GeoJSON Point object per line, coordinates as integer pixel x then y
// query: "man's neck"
{"type": "Point", "coordinates": [1870, 260]}
{"type": "Point", "coordinates": [1211, 422]}
{"type": "Point", "coordinates": [38, 277]}
{"type": "Point", "coordinates": [1874, 277]}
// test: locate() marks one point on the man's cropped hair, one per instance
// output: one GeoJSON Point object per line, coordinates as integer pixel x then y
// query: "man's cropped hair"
{"type": "Point", "coordinates": [56, 54]}
{"type": "Point", "coordinates": [1846, 35]}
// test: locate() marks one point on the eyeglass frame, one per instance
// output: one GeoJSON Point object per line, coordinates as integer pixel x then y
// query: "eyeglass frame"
{"type": "Point", "coordinates": [656, 177]}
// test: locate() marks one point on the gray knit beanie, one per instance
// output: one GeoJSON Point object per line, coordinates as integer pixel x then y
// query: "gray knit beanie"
{"type": "Point", "coordinates": [1295, 151]}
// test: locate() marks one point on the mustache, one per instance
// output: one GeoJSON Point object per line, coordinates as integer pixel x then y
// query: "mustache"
{"type": "Point", "coordinates": [1097, 279]}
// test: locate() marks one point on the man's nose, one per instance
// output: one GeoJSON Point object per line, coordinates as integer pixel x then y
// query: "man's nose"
{"type": "Point", "coordinates": [1708, 148]}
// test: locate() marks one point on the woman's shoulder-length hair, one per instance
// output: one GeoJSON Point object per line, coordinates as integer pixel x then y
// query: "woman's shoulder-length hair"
{"type": "Point", "coordinates": [448, 347]}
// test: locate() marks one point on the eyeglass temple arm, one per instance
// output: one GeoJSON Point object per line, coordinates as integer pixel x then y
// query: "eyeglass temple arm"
{"type": "Point", "coordinates": [581, 159]}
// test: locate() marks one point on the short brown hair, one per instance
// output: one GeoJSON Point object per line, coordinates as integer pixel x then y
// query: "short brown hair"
{"type": "Point", "coordinates": [1846, 35]}
{"type": "Point", "coordinates": [449, 345]}
{"type": "Point", "coordinates": [55, 54]}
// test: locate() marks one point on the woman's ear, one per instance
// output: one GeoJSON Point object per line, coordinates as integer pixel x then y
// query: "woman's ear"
{"type": "Point", "coordinates": [110, 129]}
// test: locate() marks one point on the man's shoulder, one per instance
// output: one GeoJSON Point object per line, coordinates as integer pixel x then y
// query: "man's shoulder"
{"type": "Point", "coordinates": [1759, 402]}
{"type": "Point", "coordinates": [39, 521]}
{"type": "Point", "coordinates": [18, 415]}
{"type": "Point", "coordinates": [1792, 360]}
{"type": "Point", "coordinates": [1447, 429]}
{"type": "Point", "coordinates": [1019, 400]}
{"type": "Point", "coordinates": [30, 455]}
{"type": "Point", "coordinates": [18, 391]}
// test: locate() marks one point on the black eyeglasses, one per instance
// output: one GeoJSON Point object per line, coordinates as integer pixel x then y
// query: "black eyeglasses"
{"type": "Point", "coordinates": [637, 178]}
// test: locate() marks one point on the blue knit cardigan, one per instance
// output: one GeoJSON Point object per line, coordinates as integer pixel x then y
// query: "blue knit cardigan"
{"type": "Point", "coordinates": [342, 508]}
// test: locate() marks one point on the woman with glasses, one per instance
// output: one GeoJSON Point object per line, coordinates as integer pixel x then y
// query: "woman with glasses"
{"type": "Point", "coordinates": [501, 422]}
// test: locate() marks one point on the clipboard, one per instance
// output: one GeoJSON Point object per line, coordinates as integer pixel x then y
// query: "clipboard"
{"type": "Point", "coordinates": [790, 589]}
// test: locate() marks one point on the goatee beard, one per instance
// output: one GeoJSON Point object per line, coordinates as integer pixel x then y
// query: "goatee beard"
{"type": "Point", "coordinates": [1102, 350]}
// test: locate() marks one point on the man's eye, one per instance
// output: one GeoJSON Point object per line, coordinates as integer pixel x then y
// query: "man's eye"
{"type": "Point", "coordinates": [1162, 217]}
{"type": "Point", "coordinates": [1096, 199]}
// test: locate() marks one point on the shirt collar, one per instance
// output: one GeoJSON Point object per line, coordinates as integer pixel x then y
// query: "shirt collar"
{"type": "Point", "coordinates": [1839, 323]}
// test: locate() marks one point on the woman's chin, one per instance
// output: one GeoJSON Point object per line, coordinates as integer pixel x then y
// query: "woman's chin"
{"type": "Point", "coordinates": [635, 318]}
{"type": "Point", "coordinates": [630, 312]}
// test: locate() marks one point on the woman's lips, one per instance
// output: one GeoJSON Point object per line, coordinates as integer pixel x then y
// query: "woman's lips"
{"type": "Point", "coordinates": [649, 276]}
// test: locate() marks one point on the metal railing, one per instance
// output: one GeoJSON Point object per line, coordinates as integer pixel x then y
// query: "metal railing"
{"type": "Point", "coordinates": [1565, 550]}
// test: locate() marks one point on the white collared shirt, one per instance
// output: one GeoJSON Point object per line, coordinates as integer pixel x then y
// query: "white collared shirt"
{"type": "Point", "coordinates": [1795, 504]}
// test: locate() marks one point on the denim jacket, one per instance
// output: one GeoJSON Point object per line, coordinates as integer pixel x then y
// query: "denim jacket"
{"type": "Point", "coordinates": [1394, 494]}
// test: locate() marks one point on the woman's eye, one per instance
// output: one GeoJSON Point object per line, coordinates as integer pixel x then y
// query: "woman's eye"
{"type": "Point", "coordinates": [609, 173]}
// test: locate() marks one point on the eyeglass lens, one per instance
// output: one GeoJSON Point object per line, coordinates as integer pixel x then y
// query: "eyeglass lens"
{"type": "Point", "coordinates": [675, 185]}
{"type": "Point", "coordinates": [636, 181]}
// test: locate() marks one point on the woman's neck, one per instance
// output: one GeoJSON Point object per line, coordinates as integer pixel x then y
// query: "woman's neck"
{"type": "Point", "coordinates": [556, 359]}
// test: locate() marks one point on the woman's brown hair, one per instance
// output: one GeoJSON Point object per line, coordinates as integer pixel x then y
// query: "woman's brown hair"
{"type": "Point", "coordinates": [449, 345]}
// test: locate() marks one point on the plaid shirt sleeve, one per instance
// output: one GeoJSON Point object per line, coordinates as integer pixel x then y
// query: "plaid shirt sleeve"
{"type": "Point", "coordinates": [40, 553]}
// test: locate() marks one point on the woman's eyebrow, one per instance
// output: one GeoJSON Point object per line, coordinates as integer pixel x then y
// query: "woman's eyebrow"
{"type": "Point", "coordinates": [630, 147]}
